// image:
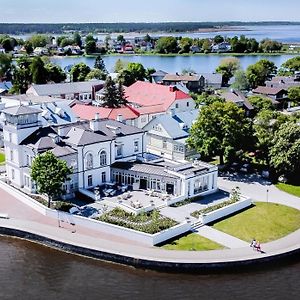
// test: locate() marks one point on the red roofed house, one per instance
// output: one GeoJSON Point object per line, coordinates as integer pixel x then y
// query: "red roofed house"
{"type": "Point", "coordinates": [151, 99]}
{"type": "Point", "coordinates": [125, 114]}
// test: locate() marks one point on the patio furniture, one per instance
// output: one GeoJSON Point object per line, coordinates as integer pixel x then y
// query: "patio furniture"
{"type": "Point", "coordinates": [124, 188]}
{"type": "Point", "coordinates": [106, 193]}
{"type": "Point", "coordinates": [113, 192]}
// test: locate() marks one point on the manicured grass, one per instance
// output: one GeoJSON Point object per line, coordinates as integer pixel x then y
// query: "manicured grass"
{"type": "Point", "coordinates": [2, 158]}
{"type": "Point", "coordinates": [265, 222]}
{"type": "Point", "coordinates": [192, 242]}
{"type": "Point", "coordinates": [289, 188]}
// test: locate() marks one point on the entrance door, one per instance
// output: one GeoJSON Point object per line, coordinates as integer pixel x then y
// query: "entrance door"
{"type": "Point", "coordinates": [143, 184]}
{"type": "Point", "coordinates": [170, 188]}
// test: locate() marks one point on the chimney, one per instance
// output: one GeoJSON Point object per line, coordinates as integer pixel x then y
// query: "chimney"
{"type": "Point", "coordinates": [119, 118]}
{"type": "Point", "coordinates": [97, 117]}
{"type": "Point", "coordinates": [62, 131]}
{"type": "Point", "coordinates": [171, 89]}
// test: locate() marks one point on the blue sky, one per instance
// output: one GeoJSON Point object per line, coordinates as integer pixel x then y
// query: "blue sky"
{"type": "Point", "coordinates": [43, 11]}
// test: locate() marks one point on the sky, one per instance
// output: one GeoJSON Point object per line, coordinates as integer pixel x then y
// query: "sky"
{"type": "Point", "coordinates": [81, 11]}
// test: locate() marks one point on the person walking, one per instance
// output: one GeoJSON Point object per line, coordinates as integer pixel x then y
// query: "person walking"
{"type": "Point", "coordinates": [253, 244]}
{"type": "Point", "coordinates": [258, 246]}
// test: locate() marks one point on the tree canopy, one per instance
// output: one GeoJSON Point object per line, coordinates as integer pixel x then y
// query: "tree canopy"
{"type": "Point", "coordinates": [79, 72]}
{"type": "Point", "coordinates": [241, 82]}
{"type": "Point", "coordinates": [259, 72]}
{"type": "Point", "coordinates": [49, 173]}
{"type": "Point", "coordinates": [38, 71]}
{"type": "Point", "coordinates": [5, 66]}
{"type": "Point", "coordinates": [294, 94]}
{"type": "Point", "coordinates": [133, 73]}
{"type": "Point", "coordinates": [227, 68]}
{"type": "Point", "coordinates": [261, 103]}
{"type": "Point", "coordinates": [167, 44]}
{"type": "Point", "coordinates": [220, 129]}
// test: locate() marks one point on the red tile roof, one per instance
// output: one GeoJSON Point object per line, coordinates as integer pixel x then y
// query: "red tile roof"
{"type": "Point", "coordinates": [151, 94]}
{"type": "Point", "coordinates": [88, 112]}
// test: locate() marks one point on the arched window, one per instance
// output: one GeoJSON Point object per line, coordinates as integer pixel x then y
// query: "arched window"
{"type": "Point", "coordinates": [103, 158]}
{"type": "Point", "coordinates": [89, 161]}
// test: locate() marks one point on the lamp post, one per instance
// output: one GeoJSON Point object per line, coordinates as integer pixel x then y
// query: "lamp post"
{"type": "Point", "coordinates": [267, 195]}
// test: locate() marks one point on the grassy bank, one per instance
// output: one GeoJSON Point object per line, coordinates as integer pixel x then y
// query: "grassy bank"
{"type": "Point", "coordinates": [264, 221]}
{"type": "Point", "coordinates": [192, 242]}
{"type": "Point", "coordinates": [289, 188]}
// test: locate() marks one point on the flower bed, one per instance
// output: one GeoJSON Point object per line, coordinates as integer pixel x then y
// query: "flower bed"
{"type": "Point", "coordinates": [186, 201]}
{"type": "Point", "coordinates": [150, 223]}
{"type": "Point", "coordinates": [209, 209]}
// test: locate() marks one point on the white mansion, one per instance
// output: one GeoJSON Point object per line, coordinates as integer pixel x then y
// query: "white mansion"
{"type": "Point", "coordinates": [99, 151]}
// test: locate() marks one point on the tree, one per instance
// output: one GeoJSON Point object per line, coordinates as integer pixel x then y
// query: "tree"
{"type": "Point", "coordinates": [259, 72]}
{"type": "Point", "coordinates": [5, 66]}
{"type": "Point", "coordinates": [261, 103]}
{"type": "Point", "coordinates": [268, 45]}
{"type": "Point", "coordinates": [149, 72]}
{"type": "Point", "coordinates": [38, 40]}
{"type": "Point", "coordinates": [120, 65]}
{"type": "Point", "coordinates": [206, 45]}
{"type": "Point", "coordinates": [90, 47]}
{"type": "Point", "coordinates": [111, 94]}
{"type": "Point", "coordinates": [77, 39]}
{"type": "Point", "coordinates": [291, 66]}
{"type": "Point", "coordinates": [8, 44]}
{"type": "Point", "coordinates": [227, 68]}
{"type": "Point", "coordinates": [220, 129]}
{"type": "Point", "coordinates": [38, 71]}
{"type": "Point", "coordinates": [120, 38]}
{"type": "Point", "coordinates": [96, 74]}
{"type": "Point", "coordinates": [241, 82]}
{"type": "Point", "coordinates": [285, 152]}
{"type": "Point", "coordinates": [55, 73]}
{"type": "Point", "coordinates": [66, 42]}
{"type": "Point", "coordinates": [121, 97]}
{"type": "Point", "coordinates": [79, 72]}
{"type": "Point", "coordinates": [99, 64]}
{"type": "Point", "coordinates": [49, 173]}
{"type": "Point", "coordinates": [22, 76]}
{"type": "Point", "coordinates": [134, 72]}
{"type": "Point", "coordinates": [28, 47]}
{"type": "Point", "coordinates": [218, 39]}
{"type": "Point", "coordinates": [185, 45]}
{"type": "Point", "coordinates": [147, 38]}
{"type": "Point", "coordinates": [166, 44]}
{"type": "Point", "coordinates": [207, 99]}
{"type": "Point", "coordinates": [294, 94]}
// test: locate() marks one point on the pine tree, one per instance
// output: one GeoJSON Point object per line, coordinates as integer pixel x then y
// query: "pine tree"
{"type": "Point", "coordinates": [121, 94]}
{"type": "Point", "coordinates": [110, 94]}
{"type": "Point", "coordinates": [99, 64]}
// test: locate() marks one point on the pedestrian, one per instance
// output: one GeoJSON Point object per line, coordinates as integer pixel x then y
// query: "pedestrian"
{"type": "Point", "coordinates": [253, 244]}
{"type": "Point", "coordinates": [258, 246]}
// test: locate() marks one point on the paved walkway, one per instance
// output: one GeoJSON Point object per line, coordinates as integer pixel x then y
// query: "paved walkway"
{"type": "Point", "coordinates": [220, 237]}
{"type": "Point", "coordinates": [24, 218]}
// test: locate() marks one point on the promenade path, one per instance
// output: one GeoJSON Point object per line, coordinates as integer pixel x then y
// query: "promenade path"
{"type": "Point", "coordinates": [220, 237]}
{"type": "Point", "coordinates": [24, 218]}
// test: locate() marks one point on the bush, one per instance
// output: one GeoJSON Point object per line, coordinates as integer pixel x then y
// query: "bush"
{"type": "Point", "coordinates": [63, 206]}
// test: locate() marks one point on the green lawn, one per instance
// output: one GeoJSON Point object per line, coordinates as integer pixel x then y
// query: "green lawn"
{"type": "Point", "coordinates": [289, 188]}
{"type": "Point", "coordinates": [2, 158]}
{"type": "Point", "coordinates": [265, 222]}
{"type": "Point", "coordinates": [192, 242]}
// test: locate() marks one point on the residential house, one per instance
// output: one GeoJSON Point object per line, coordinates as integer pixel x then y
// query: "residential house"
{"type": "Point", "coordinates": [284, 82]}
{"type": "Point", "coordinates": [239, 99]}
{"type": "Point", "coordinates": [194, 82]}
{"type": "Point", "coordinates": [83, 90]}
{"type": "Point", "coordinates": [212, 81]}
{"type": "Point", "coordinates": [99, 152]}
{"type": "Point", "coordinates": [221, 47]}
{"type": "Point", "coordinates": [167, 135]}
{"type": "Point", "coordinates": [151, 100]}
{"type": "Point", "coordinates": [158, 76]}
{"type": "Point", "coordinates": [5, 86]}
{"type": "Point", "coordinates": [276, 94]}
{"type": "Point", "coordinates": [40, 51]}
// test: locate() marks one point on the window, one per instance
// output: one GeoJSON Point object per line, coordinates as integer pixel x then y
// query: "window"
{"type": "Point", "coordinates": [165, 144]}
{"type": "Point", "coordinates": [188, 104]}
{"type": "Point", "coordinates": [103, 177]}
{"type": "Point", "coordinates": [119, 150]}
{"type": "Point", "coordinates": [176, 105]}
{"type": "Point", "coordinates": [89, 161]}
{"type": "Point", "coordinates": [12, 174]}
{"type": "Point", "coordinates": [90, 180]}
{"type": "Point", "coordinates": [144, 119]}
{"type": "Point", "coordinates": [10, 137]}
{"type": "Point", "coordinates": [136, 146]}
{"type": "Point", "coordinates": [28, 162]}
{"type": "Point", "coordinates": [11, 155]}
{"type": "Point", "coordinates": [103, 158]}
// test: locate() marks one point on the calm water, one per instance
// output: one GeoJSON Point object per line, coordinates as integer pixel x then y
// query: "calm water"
{"type": "Point", "coordinates": [30, 271]}
{"type": "Point", "coordinates": [172, 64]}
